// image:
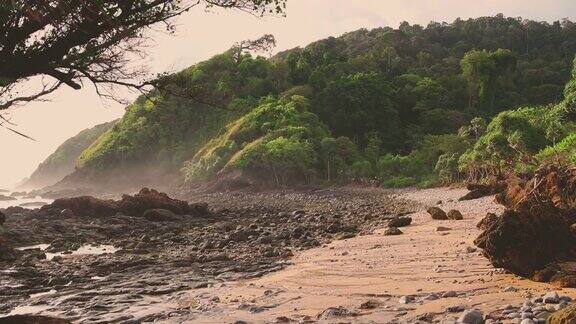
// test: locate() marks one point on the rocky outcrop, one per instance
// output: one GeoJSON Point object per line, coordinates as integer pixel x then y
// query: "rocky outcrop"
{"type": "Point", "coordinates": [137, 205]}
{"type": "Point", "coordinates": [533, 237]}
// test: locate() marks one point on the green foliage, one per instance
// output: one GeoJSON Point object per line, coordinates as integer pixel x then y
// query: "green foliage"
{"type": "Point", "coordinates": [280, 139]}
{"type": "Point", "coordinates": [485, 71]}
{"type": "Point", "coordinates": [166, 130]}
{"type": "Point", "coordinates": [380, 104]}
{"type": "Point", "coordinates": [564, 151]}
{"type": "Point", "coordinates": [63, 161]}
{"type": "Point", "coordinates": [510, 140]}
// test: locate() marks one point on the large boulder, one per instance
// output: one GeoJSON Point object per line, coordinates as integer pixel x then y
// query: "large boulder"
{"type": "Point", "coordinates": [151, 199]}
{"type": "Point", "coordinates": [455, 215]}
{"type": "Point", "coordinates": [437, 213]}
{"type": "Point", "coordinates": [84, 206]}
{"type": "Point", "coordinates": [524, 242]}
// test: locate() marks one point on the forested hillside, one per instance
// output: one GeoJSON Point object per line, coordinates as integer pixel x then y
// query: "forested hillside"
{"type": "Point", "coordinates": [63, 161]}
{"type": "Point", "coordinates": [395, 105]}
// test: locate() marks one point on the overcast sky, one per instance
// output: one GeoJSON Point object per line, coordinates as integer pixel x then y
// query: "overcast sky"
{"type": "Point", "coordinates": [201, 35]}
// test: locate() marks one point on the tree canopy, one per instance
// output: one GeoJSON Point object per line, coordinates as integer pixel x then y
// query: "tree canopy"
{"type": "Point", "coordinates": [71, 42]}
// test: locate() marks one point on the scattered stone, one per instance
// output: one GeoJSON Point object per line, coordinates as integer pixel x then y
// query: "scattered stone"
{"type": "Point", "coordinates": [449, 294]}
{"type": "Point", "coordinates": [431, 297]}
{"type": "Point", "coordinates": [455, 215]}
{"type": "Point", "coordinates": [510, 289]}
{"type": "Point", "coordinates": [393, 231]}
{"type": "Point", "coordinates": [370, 304]}
{"type": "Point", "coordinates": [455, 308]}
{"type": "Point", "coordinates": [443, 229]}
{"type": "Point", "coordinates": [472, 316]}
{"type": "Point", "coordinates": [471, 249]}
{"type": "Point", "coordinates": [551, 298]}
{"type": "Point", "coordinates": [437, 213]}
{"type": "Point", "coordinates": [332, 312]}
{"type": "Point", "coordinates": [406, 299]}
{"type": "Point", "coordinates": [400, 221]}
{"type": "Point", "coordinates": [527, 321]}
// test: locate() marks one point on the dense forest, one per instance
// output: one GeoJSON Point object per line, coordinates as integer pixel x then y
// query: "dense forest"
{"type": "Point", "coordinates": [404, 106]}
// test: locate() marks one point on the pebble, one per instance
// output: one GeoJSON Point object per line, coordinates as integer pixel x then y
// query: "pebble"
{"type": "Point", "coordinates": [551, 298]}
{"type": "Point", "coordinates": [527, 315]}
{"type": "Point", "coordinates": [406, 299]}
{"type": "Point", "coordinates": [449, 294]}
{"type": "Point", "coordinates": [527, 321]}
{"type": "Point", "coordinates": [471, 316]}
{"type": "Point", "coordinates": [510, 289]}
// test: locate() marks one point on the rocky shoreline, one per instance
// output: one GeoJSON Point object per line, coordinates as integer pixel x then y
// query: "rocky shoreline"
{"type": "Point", "coordinates": [158, 259]}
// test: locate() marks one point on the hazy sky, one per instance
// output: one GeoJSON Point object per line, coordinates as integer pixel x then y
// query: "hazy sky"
{"type": "Point", "coordinates": [201, 35]}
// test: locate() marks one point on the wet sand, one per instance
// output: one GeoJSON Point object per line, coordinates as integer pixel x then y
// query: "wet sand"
{"type": "Point", "coordinates": [381, 269]}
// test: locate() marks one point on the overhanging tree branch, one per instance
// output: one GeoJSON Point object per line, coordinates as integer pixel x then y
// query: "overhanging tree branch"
{"type": "Point", "coordinates": [85, 40]}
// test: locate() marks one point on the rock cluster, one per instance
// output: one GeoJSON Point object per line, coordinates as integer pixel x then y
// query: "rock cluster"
{"type": "Point", "coordinates": [137, 205]}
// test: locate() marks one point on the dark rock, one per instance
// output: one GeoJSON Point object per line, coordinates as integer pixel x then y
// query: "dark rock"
{"type": "Point", "coordinates": [455, 215]}
{"type": "Point", "coordinates": [392, 231]}
{"type": "Point", "coordinates": [471, 316]}
{"type": "Point", "coordinates": [135, 205]}
{"type": "Point", "coordinates": [161, 215]}
{"type": "Point", "coordinates": [478, 190]}
{"type": "Point", "coordinates": [151, 199]}
{"type": "Point", "coordinates": [84, 206]}
{"type": "Point", "coordinates": [2, 218]}
{"type": "Point", "coordinates": [32, 319]}
{"type": "Point", "coordinates": [370, 304]}
{"type": "Point", "coordinates": [437, 213]}
{"type": "Point", "coordinates": [333, 312]}
{"type": "Point", "coordinates": [400, 221]}
{"type": "Point", "coordinates": [488, 220]}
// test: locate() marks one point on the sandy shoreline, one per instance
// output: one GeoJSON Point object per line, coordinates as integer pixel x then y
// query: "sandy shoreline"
{"type": "Point", "coordinates": [380, 269]}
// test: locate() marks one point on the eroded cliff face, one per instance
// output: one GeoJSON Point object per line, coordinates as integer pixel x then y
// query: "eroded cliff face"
{"type": "Point", "coordinates": [535, 236]}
